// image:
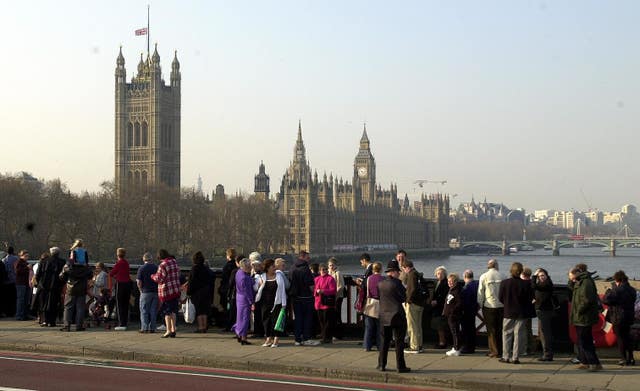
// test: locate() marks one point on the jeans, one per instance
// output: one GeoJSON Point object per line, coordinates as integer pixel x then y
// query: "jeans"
{"type": "Point", "coordinates": [586, 348]}
{"type": "Point", "coordinates": [22, 301]}
{"type": "Point", "coordinates": [545, 332]}
{"type": "Point", "coordinates": [148, 311]}
{"type": "Point", "coordinates": [74, 310]}
{"type": "Point", "coordinates": [372, 333]}
{"type": "Point", "coordinates": [303, 322]}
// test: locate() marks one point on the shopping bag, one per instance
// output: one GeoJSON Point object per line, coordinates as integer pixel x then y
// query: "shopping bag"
{"type": "Point", "coordinates": [282, 317]}
{"type": "Point", "coordinates": [189, 311]}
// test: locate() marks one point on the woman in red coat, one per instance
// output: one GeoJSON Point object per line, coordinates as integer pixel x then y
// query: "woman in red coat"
{"type": "Point", "coordinates": [325, 302]}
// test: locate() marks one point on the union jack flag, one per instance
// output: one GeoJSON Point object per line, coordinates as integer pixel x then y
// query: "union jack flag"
{"type": "Point", "coordinates": [142, 31]}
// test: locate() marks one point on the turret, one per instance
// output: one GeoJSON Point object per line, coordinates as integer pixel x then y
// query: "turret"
{"type": "Point", "coordinates": [175, 71]}
{"type": "Point", "coordinates": [121, 72]}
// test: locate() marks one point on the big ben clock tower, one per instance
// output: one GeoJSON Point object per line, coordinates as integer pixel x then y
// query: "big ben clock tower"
{"type": "Point", "coordinates": [364, 170]}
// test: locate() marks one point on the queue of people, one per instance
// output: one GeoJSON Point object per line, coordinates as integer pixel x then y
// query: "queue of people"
{"type": "Point", "coordinates": [258, 295]}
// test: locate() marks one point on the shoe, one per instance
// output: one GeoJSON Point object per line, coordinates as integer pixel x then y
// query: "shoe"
{"type": "Point", "coordinates": [172, 335]}
{"type": "Point", "coordinates": [631, 362]}
{"type": "Point", "coordinates": [380, 368]}
{"type": "Point", "coordinates": [516, 361]}
{"type": "Point", "coordinates": [65, 328]}
{"type": "Point", "coordinates": [404, 370]}
{"type": "Point", "coordinates": [545, 359]}
{"type": "Point", "coordinates": [582, 366]}
{"type": "Point", "coordinates": [452, 353]}
{"type": "Point", "coordinates": [505, 360]}
{"type": "Point", "coordinates": [310, 342]}
{"type": "Point", "coordinates": [165, 335]}
{"type": "Point", "coordinates": [595, 368]}
{"type": "Point", "coordinates": [266, 345]}
{"type": "Point", "coordinates": [622, 363]}
{"type": "Point", "coordinates": [492, 355]}
{"type": "Point", "coordinates": [120, 328]}
{"type": "Point", "coordinates": [411, 351]}
{"type": "Point", "coordinates": [464, 351]}
{"type": "Point", "coordinates": [244, 342]}
{"type": "Point", "coordinates": [142, 331]}
{"type": "Point", "coordinates": [161, 328]}
{"type": "Point", "coordinates": [273, 345]}
{"type": "Point", "coordinates": [575, 361]}
{"type": "Point", "coordinates": [297, 343]}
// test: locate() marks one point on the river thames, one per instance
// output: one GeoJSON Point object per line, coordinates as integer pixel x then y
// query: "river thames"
{"type": "Point", "coordinates": [627, 259]}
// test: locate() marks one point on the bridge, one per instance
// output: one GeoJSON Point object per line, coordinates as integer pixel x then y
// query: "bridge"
{"type": "Point", "coordinates": [609, 242]}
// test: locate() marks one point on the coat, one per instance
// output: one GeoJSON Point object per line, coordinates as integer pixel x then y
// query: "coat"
{"type": "Point", "coordinates": [328, 286]}
{"type": "Point", "coordinates": [516, 295]}
{"type": "Point", "coordinates": [621, 300]}
{"type": "Point", "coordinates": [585, 303]}
{"type": "Point", "coordinates": [453, 304]}
{"type": "Point", "coordinates": [392, 295]}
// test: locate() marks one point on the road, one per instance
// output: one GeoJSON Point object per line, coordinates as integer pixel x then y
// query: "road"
{"type": "Point", "coordinates": [49, 373]}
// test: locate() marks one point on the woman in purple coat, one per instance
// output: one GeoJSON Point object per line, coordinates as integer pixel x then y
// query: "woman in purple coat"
{"type": "Point", "coordinates": [244, 301]}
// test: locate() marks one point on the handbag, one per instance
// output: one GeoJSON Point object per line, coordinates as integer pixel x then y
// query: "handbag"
{"type": "Point", "coordinates": [372, 308]}
{"type": "Point", "coordinates": [329, 301]}
{"type": "Point", "coordinates": [189, 311]}
{"type": "Point", "coordinates": [280, 322]}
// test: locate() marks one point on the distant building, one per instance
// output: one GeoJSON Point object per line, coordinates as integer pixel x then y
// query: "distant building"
{"type": "Point", "coordinates": [486, 211]}
{"type": "Point", "coordinates": [261, 184]}
{"type": "Point", "coordinates": [594, 218]}
{"type": "Point", "coordinates": [218, 194]}
{"type": "Point", "coordinates": [331, 214]}
{"type": "Point", "coordinates": [147, 126]}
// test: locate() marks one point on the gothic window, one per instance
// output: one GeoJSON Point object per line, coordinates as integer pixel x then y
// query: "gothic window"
{"type": "Point", "coordinates": [302, 240]}
{"type": "Point", "coordinates": [145, 134]}
{"type": "Point", "coordinates": [292, 203]}
{"type": "Point", "coordinates": [302, 203]}
{"type": "Point", "coordinates": [292, 222]}
{"type": "Point", "coordinates": [136, 134]}
{"type": "Point", "coordinates": [144, 177]}
{"type": "Point", "coordinates": [303, 222]}
{"type": "Point", "coordinates": [137, 177]}
{"type": "Point", "coordinates": [129, 135]}
{"type": "Point", "coordinates": [130, 177]}
{"type": "Point", "coordinates": [292, 239]}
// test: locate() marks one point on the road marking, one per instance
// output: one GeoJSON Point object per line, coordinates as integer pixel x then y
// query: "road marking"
{"type": "Point", "coordinates": [116, 366]}
{"type": "Point", "coordinates": [14, 389]}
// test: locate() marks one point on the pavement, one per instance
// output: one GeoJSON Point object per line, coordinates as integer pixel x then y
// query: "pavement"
{"type": "Point", "coordinates": [341, 360]}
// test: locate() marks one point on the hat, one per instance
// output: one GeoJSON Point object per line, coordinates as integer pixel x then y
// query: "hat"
{"type": "Point", "coordinates": [392, 266]}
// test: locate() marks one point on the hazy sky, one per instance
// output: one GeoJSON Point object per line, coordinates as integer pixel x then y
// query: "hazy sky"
{"type": "Point", "coordinates": [524, 102]}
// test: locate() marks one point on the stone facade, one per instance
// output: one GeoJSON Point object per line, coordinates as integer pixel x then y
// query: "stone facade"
{"type": "Point", "coordinates": [330, 214]}
{"type": "Point", "coordinates": [147, 124]}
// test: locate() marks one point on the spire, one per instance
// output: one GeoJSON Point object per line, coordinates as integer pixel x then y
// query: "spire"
{"type": "Point", "coordinates": [120, 60]}
{"type": "Point", "coordinates": [175, 64]}
{"type": "Point", "coordinates": [156, 57]}
{"type": "Point", "coordinates": [364, 140]}
{"type": "Point", "coordinates": [299, 152]}
{"type": "Point", "coordinates": [141, 66]}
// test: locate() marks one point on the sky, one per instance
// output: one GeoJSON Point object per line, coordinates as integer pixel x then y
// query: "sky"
{"type": "Point", "coordinates": [528, 103]}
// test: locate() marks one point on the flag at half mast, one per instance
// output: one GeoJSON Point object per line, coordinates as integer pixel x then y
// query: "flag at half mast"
{"type": "Point", "coordinates": [142, 31]}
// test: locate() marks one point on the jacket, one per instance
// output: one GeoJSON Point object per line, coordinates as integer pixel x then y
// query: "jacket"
{"type": "Point", "coordinates": [488, 289]}
{"type": "Point", "coordinates": [392, 296]}
{"type": "Point", "coordinates": [516, 295]}
{"type": "Point", "coordinates": [281, 291]}
{"type": "Point", "coordinates": [76, 277]}
{"type": "Point", "coordinates": [414, 295]}
{"type": "Point", "coordinates": [453, 304]}
{"type": "Point", "coordinates": [585, 303]}
{"type": "Point", "coordinates": [621, 300]}
{"type": "Point", "coordinates": [543, 293]}
{"type": "Point", "coordinates": [469, 296]}
{"type": "Point", "coordinates": [301, 280]}
{"type": "Point", "coordinates": [328, 286]}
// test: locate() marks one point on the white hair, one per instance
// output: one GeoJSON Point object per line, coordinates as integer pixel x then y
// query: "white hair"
{"type": "Point", "coordinates": [255, 257]}
{"type": "Point", "coordinates": [435, 272]}
{"type": "Point", "coordinates": [54, 250]}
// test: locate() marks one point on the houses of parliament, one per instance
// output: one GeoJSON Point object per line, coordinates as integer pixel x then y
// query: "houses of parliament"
{"type": "Point", "coordinates": [321, 215]}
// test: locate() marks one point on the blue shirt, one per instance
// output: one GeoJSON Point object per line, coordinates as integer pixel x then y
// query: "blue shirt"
{"type": "Point", "coordinates": [144, 275]}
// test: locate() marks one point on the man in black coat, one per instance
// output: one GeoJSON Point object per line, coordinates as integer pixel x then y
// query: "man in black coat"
{"type": "Point", "coordinates": [392, 318]}
{"type": "Point", "coordinates": [51, 286]}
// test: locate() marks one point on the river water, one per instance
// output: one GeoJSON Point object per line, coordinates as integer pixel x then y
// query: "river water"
{"type": "Point", "coordinates": [627, 259]}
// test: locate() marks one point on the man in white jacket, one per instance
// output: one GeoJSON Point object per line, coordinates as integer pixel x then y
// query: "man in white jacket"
{"type": "Point", "coordinates": [492, 308]}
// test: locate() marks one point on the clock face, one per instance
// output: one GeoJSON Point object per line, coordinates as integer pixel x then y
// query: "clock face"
{"type": "Point", "coordinates": [362, 171]}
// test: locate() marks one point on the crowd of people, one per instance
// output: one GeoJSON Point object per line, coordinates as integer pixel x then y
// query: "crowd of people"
{"type": "Point", "coordinates": [264, 295]}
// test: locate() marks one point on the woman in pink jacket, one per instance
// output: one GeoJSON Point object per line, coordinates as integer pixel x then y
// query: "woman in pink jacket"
{"type": "Point", "coordinates": [325, 300]}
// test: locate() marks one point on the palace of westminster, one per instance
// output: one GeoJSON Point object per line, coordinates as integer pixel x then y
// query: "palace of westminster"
{"type": "Point", "coordinates": [321, 215]}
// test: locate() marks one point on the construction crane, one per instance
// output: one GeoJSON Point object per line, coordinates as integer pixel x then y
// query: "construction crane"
{"type": "Point", "coordinates": [421, 182]}
{"type": "Point", "coordinates": [586, 201]}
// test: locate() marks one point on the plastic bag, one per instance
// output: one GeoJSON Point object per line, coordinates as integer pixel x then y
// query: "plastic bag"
{"type": "Point", "coordinates": [282, 316]}
{"type": "Point", "coordinates": [189, 311]}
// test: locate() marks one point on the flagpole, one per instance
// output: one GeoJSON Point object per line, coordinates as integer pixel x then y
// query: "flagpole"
{"type": "Point", "coordinates": [148, 31]}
